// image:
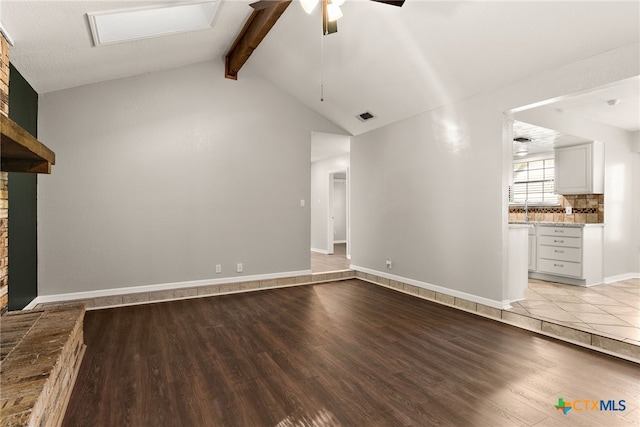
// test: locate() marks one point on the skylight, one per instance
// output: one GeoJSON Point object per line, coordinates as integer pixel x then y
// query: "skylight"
{"type": "Point", "coordinates": [140, 23]}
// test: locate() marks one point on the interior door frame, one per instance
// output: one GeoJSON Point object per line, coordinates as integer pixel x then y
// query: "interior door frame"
{"type": "Point", "coordinates": [330, 215]}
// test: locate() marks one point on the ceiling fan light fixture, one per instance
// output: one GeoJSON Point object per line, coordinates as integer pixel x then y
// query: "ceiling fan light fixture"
{"type": "Point", "coordinates": [309, 5]}
{"type": "Point", "coordinates": [333, 12]}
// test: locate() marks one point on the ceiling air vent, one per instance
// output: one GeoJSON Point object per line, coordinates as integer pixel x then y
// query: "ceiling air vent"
{"type": "Point", "coordinates": [365, 116]}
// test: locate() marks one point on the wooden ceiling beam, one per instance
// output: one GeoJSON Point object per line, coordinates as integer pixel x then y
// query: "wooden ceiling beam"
{"type": "Point", "coordinates": [254, 31]}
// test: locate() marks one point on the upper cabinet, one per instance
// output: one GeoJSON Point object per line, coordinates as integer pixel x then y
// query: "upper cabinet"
{"type": "Point", "coordinates": [580, 169]}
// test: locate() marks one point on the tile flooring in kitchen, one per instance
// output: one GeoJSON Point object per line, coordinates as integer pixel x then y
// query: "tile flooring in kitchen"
{"type": "Point", "coordinates": [611, 310]}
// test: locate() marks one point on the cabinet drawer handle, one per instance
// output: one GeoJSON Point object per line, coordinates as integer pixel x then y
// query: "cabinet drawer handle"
{"type": "Point", "coordinates": [558, 231]}
{"type": "Point", "coordinates": [558, 265]}
{"type": "Point", "coordinates": [558, 241]}
{"type": "Point", "coordinates": [558, 252]}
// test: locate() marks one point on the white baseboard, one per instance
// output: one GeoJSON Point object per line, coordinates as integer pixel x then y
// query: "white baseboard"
{"type": "Point", "coordinates": [502, 305]}
{"type": "Point", "coordinates": [621, 277]}
{"type": "Point", "coordinates": [72, 296]}
{"type": "Point", "coordinates": [320, 251]}
{"type": "Point", "coordinates": [32, 304]}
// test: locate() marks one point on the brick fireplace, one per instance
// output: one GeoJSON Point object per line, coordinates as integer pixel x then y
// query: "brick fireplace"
{"type": "Point", "coordinates": [4, 181]}
{"type": "Point", "coordinates": [41, 350]}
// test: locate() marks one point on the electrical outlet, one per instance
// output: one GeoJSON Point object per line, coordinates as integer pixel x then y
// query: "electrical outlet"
{"type": "Point", "coordinates": [389, 264]}
{"type": "Point", "coordinates": [568, 210]}
{"type": "Point", "coordinates": [218, 269]}
{"type": "Point", "coordinates": [239, 267]}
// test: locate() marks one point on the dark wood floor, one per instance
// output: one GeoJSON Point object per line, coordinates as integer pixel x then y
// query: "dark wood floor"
{"type": "Point", "coordinates": [339, 354]}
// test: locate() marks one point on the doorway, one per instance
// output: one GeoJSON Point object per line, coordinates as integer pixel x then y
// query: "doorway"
{"type": "Point", "coordinates": [338, 213]}
{"type": "Point", "coordinates": [329, 202]}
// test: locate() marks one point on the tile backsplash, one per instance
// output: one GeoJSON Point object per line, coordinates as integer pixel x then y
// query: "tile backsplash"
{"type": "Point", "coordinates": [586, 209]}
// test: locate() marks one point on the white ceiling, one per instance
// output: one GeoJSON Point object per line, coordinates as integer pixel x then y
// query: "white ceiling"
{"type": "Point", "coordinates": [393, 62]}
{"type": "Point", "coordinates": [595, 105]}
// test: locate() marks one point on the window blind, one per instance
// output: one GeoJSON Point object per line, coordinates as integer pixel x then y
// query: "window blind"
{"type": "Point", "coordinates": [533, 181]}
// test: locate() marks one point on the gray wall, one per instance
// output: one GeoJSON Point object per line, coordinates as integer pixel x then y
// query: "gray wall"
{"type": "Point", "coordinates": [160, 177]}
{"type": "Point", "coordinates": [430, 192]}
{"type": "Point", "coordinates": [426, 193]}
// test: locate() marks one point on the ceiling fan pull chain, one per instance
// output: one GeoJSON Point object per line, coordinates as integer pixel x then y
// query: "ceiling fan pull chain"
{"type": "Point", "coordinates": [322, 68]}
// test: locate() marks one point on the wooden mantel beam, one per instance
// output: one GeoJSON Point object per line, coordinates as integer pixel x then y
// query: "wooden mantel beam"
{"type": "Point", "coordinates": [255, 29]}
{"type": "Point", "coordinates": [21, 152]}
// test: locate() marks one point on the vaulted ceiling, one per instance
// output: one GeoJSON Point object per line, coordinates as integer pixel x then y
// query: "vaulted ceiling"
{"type": "Point", "coordinates": [393, 62]}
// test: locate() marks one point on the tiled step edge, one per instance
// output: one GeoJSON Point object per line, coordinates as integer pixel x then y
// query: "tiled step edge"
{"type": "Point", "coordinates": [593, 341]}
{"type": "Point", "coordinates": [121, 300]}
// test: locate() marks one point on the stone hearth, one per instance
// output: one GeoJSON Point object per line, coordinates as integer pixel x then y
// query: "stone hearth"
{"type": "Point", "coordinates": [40, 354]}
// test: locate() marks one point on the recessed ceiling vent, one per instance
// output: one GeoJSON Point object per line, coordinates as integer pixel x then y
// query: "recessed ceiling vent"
{"type": "Point", "coordinates": [366, 116]}
{"type": "Point", "coordinates": [522, 139]}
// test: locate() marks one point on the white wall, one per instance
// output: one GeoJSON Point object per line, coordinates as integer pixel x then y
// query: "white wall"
{"type": "Point", "coordinates": [339, 210]}
{"type": "Point", "coordinates": [320, 198]}
{"type": "Point", "coordinates": [443, 218]}
{"type": "Point", "coordinates": [636, 208]}
{"type": "Point", "coordinates": [161, 176]}
{"type": "Point", "coordinates": [621, 249]}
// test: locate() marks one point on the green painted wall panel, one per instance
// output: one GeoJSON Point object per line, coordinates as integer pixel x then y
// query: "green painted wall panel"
{"type": "Point", "coordinates": [23, 207]}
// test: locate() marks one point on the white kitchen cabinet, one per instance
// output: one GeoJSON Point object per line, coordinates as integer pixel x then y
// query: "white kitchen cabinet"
{"type": "Point", "coordinates": [517, 276]}
{"type": "Point", "coordinates": [532, 249]}
{"type": "Point", "coordinates": [569, 254]}
{"type": "Point", "coordinates": [579, 169]}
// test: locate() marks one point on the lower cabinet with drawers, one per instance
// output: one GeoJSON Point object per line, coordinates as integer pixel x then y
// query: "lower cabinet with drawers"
{"type": "Point", "coordinates": [569, 254]}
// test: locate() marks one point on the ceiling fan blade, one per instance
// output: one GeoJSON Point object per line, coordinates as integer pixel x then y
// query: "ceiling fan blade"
{"type": "Point", "coordinates": [328, 27]}
{"type": "Point", "coordinates": [398, 3]}
{"type": "Point", "coordinates": [263, 4]}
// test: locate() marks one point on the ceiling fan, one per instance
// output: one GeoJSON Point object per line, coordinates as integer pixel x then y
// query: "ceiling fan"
{"type": "Point", "coordinates": [264, 16]}
{"type": "Point", "coordinates": [330, 10]}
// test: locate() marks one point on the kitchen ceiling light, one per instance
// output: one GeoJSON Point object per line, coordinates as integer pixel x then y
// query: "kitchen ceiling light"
{"type": "Point", "coordinates": [141, 23]}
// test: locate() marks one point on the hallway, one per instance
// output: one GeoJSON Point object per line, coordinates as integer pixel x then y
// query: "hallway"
{"type": "Point", "coordinates": [321, 263]}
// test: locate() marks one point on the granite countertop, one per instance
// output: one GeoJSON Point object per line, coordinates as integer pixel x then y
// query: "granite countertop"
{"type": "Point", "coordinates": [556, 224]}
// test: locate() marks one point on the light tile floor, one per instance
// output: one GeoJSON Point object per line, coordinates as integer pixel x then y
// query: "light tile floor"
{"type": "Point", "coordinates": [611, 310]}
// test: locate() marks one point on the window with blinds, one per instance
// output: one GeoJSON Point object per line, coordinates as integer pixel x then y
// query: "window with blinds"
{"type": "Point", "coordinates": [533, 181]}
